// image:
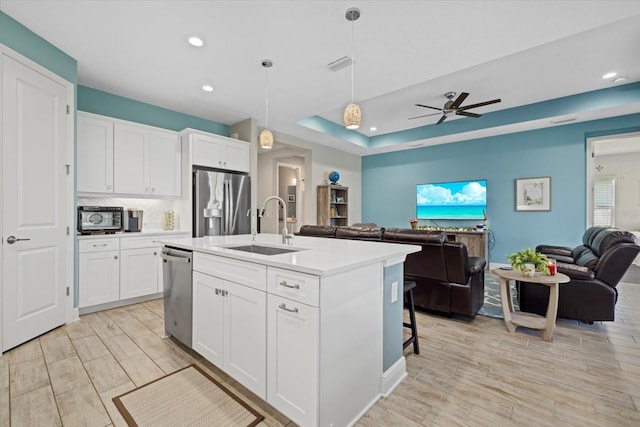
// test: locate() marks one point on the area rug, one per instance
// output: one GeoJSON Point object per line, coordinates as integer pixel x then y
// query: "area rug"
{"type": "Point", "coordinates": [492, 306]}
{"type": "Point", "coordinates": [188, 397]}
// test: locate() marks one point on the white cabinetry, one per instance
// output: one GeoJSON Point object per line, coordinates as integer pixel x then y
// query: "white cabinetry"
{"type": "Point", "coordinates": [98, 271]}
{"type": "Point", "coordinates": [147, 162]}
{"type": "Point", "coordinates": [116, 156]}
{"type": "Point", "coordinates": [139, 272]}
{"type": "Point", "coordinates": [292, 347]}
{"type": "Point", "coordinates": [219, 152]}
{"type": "Point", "coordinates": [129, 144]}
{"type": "Point", "coordinates": [229, 318]}
{"type": "Point", "coordinates": [113, 270]}
{"type": "Point", "coordinates": [95, 154]}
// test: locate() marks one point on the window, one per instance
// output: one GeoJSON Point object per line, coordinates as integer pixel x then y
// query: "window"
{"type": "Point", "coordinates": [604, 202]}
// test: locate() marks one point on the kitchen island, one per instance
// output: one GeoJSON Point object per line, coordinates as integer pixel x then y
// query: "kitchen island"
{"type": "Point", "coordinates": [315, 331]}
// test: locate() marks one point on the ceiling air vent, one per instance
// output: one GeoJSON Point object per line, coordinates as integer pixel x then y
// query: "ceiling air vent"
{"type": "Point", "coordinates": [339, 64]}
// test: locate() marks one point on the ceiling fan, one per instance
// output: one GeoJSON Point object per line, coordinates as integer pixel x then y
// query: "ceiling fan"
{"type": "Point", "coordinates": [453, 107]}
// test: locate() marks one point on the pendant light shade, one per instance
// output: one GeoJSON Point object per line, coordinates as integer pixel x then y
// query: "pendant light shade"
{"type": "Point", "coordinates": [266, 137]}
{"type": "Point", "coordinates": [352, 114]}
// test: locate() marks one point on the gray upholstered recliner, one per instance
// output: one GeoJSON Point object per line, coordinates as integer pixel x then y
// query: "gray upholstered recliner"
{"type": "Point", "coordinates": [595, 269]}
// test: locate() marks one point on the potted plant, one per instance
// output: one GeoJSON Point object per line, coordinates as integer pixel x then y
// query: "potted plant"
{"type": "Point", "coordinates": [413, 222]}
{"type": "Point", "coordinates": [528, 261]}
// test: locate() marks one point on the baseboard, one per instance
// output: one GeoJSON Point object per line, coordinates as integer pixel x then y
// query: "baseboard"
{"type": "Point", "coordinates": [75, 314]}
{"type": "Point", "coordinates": [120, 303]}
{"type": "Point", "coordinates": [393, 376]}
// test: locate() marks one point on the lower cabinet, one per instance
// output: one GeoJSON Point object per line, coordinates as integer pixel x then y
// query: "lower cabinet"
{"type": "Point", "coordinates": [292, 355]}
{"type": "Point", "coordinates": [99, 276]}
{"type": "Point", "coordinates": [139, 272]}
{"type": "Point", "coordinates": [229, 329]}
{"type": "Point", "coordinates": [114, 269]}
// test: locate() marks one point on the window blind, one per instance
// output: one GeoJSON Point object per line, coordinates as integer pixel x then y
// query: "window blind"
{"type": "Point", "coordinates": [604, 202]}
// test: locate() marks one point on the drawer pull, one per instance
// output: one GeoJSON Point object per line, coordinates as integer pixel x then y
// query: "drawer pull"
{"type": "Point", "coordinates": [283, 306]}
{"type": "Point", "coordinates": [102, 244]}
{"type": "Point", "coordinates": [284, 283]}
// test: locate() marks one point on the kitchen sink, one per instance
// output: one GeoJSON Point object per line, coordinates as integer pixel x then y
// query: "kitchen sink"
{"type": "Point", "coordinates": [262, 250]}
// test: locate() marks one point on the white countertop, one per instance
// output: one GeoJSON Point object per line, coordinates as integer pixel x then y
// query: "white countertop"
{"type": "Point", "coordinates": [316, 255]}
{"type": "Point", "coordinates": [143, 233]}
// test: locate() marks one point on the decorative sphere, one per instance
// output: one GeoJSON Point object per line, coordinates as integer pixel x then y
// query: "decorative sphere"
{"type": "Point", "coordinates": [334, 176]}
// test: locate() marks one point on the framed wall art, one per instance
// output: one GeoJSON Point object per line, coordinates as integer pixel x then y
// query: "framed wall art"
{"type": "Point", "coordinates": [533, 194]}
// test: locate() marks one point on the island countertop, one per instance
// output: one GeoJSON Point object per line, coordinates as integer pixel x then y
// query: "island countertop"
{"type": "Point", "coordinates": [313, 255]}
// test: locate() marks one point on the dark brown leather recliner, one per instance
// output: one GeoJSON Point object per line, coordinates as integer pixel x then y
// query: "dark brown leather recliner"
{"type": "Point", "coordinates": [595, 269]}
{"type": "Point", "coordinates": [447, 279]}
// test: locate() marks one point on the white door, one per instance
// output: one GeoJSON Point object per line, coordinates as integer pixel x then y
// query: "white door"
{"type": "Point", "coordinates": [164, 159]}
{"type": "Point", "coordinates": [292, 359]}
{"type": "Point", "coordinates": [35, 203]}
{"type": "Point", "coordinates": [128, 158]}
{"type": "Point", "coordinates": [245, 340]}
{"type": "Point", "coordinates": [138, 272]}
{"type": "Point", "coordinates": [99, 276]}
{"type": "Point", "coordinates": [208, 317]}
{"type": "Point", "coordinates": [95, 155]}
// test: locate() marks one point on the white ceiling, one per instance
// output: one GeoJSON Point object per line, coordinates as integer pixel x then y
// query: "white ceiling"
{"type": "Point", "coordinates": [406, 52]}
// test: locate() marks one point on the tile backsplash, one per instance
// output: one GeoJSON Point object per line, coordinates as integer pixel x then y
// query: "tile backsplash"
{"type": "Point", "coordinates": [152, 208]}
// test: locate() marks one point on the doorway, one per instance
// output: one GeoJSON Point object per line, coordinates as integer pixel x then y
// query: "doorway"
{"type": "Point", "coordinates": [290, 189]}
{"type": "Point", "coordinates": [613, 181]}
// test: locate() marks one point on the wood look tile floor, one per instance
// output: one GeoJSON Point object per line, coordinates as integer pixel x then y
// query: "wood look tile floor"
{"type": "Point", "coordinates": [469, 372]}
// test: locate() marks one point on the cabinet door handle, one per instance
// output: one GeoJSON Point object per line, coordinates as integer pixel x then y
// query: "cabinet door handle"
{"type": "Point", "coordinates": [115, 257]}
{"type": "Point", "coordinates": [225, 293]}
{"type": "Point", "coordinates": [155, 253]}
{"type": "Point", "coordinates": [284, 283]}
{"type": "Point", "coordinates": [283, 306]}
{"type": "Point", "coordinates": [217, 291]}
{"type": "Point", "coordinates": [108, 187]}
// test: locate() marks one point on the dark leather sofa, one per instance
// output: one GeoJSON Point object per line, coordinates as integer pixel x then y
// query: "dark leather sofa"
{"type": "Point", "coordinates": [595, 268]}
{"type": "Point", "coordinates": [447, 279]}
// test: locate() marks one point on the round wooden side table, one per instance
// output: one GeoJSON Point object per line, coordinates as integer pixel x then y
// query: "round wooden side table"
{"type": "Point", "coordinates": [513, 319]}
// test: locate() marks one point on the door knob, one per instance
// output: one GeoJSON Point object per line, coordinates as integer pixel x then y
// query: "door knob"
{"type": "Point", "coordinates": [12, 239]}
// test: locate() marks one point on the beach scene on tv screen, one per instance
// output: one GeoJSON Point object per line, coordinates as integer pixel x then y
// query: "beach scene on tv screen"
{"type": "Point", "coordinates": [452, 200]}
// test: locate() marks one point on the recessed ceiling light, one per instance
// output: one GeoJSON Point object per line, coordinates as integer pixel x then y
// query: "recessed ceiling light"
{"type": "Point", "coordinates": [207, 88]}
{"type": "Point", "coordinates": [195, 41]}
{"type": "Point", "coordinates": [373, 128]}
{"type": "Point", "coordinates": [620, 79]}
{"type": "Point", "coordinates": [609, 75]}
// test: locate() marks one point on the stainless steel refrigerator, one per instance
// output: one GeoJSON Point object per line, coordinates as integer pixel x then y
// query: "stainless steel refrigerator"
{"type": "Point", "coordinates": [221, 200]}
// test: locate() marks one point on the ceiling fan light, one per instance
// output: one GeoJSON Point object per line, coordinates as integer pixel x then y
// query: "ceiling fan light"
{"type": "Point", "coordinates": [266, 139]}
{"type": "Point", "coordinates": [352, 116]}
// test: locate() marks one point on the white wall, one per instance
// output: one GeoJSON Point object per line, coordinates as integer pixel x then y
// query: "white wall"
{"type": "Point", "coordinates": [624, 167]}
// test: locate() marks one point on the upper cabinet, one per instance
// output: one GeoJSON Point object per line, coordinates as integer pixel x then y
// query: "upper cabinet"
{"type": "Point", "coordinates": [121, 157]}
{"type": "Point", "coordinates": [95, 154]}
{"type": "Point", "coordinates": [218, 152]}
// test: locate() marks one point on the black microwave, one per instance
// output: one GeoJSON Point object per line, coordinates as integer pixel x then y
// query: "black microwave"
{"type": "Point", "coordinates": [99, 219]}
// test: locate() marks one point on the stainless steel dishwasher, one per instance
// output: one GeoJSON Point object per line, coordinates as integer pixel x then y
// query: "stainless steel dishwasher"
{"type": "Point", "coordinates": [176, 272]}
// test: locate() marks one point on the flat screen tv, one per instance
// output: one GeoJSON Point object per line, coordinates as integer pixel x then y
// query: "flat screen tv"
{"type": "Point", "coordinates": [452, 200]}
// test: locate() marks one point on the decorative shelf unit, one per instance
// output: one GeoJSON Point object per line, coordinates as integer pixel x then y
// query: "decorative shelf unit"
{"type": "Point", "coordinates": [333, 205]}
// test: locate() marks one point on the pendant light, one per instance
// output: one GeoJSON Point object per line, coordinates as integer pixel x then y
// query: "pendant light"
{"type": "Point", "coordinates": [266, 137]}
{"type": "Point", "coordinates": [352, 114]}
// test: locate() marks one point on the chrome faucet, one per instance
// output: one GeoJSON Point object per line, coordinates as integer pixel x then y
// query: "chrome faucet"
{"type": "Point", "coordinates": [286, 237]}
{"type": "Point", "coordinates": [254, 231]}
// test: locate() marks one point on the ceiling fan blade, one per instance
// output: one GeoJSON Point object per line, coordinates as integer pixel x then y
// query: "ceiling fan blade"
{"type": "Point", "coordinates": [424, 115]}
{"type": "Point", "coordinates": [426, 106]}
{"type": "Point", "coordinates": [441, 119]}
{"type": "Point", "coordinates": [459, 100]}
{"type": "Point", "coordinates": [481, 104]}
{"type": "Point", "coordinates": [468, 114]}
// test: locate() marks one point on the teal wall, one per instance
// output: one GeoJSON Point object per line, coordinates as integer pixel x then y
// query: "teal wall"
{"type": "Point", "coordinates": [99, 102]}
{"type": "Point", "coordinates": [389, 181]}
{"type": "Point", "coordinates": [392, 317]}
{"type": "Point", "coordinates": [22, 40]}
